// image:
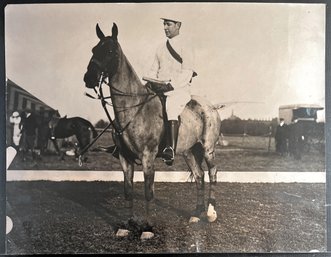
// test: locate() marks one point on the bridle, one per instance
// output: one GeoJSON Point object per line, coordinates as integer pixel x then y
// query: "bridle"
{"type": "Point", "coordinates": [99, 95]}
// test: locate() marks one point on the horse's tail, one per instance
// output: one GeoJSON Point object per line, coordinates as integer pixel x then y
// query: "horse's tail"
{"type": "Point", "coordinates": [89, 124]}
{"type": "Point", "coordinates": [95, 133]}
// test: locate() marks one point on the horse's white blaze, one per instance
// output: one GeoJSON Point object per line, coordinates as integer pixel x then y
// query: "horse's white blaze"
{"type": "Point", "coordinates": [146, 235]}
{"type": "Point", "coordinates": [194, 220]}
{"type": "Point", "coordinates": [122, 233]}
{"type": "Point", "coordinates": [211, 213]}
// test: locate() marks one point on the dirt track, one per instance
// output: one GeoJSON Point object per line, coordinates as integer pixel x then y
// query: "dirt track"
{"type": "Point", "coordinates": [82, 217]}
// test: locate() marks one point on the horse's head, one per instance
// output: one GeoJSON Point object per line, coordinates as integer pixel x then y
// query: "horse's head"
{"type": "Point", "coordinates": [104, 59]}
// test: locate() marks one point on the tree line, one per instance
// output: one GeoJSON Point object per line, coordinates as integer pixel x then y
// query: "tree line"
{"type": "Point", "coordinates": [250, 127]}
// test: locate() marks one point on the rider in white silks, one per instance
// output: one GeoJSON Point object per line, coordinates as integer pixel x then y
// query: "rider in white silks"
{"type": "Point", "coordinates": [15, 119]}
{"type": "Point", "coordinates": [174, 62]}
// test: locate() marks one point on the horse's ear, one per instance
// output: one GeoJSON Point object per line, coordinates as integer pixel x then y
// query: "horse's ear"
{"type": "Point", "coordinates": [114, 31]}
{"type": "Point", "coordinates": [99, 32]}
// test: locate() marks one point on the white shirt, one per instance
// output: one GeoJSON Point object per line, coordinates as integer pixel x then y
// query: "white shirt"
{"type": "Point", "coordinates": [166, 67]}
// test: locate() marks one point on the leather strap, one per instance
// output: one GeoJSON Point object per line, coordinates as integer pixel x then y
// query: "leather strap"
{"type": "Point", "coordinates": [173, 53]}
{"type": "Point", "coordinates": [176, 56]}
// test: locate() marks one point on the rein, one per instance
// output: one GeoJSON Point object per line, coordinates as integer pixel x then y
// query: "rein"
{"type": "Point", "coordinates": [104, 103]}
{"type": "Point", "coordinates": [123, 108]}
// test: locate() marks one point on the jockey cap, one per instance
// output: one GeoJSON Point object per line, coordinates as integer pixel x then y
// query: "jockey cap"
{"type": "Point", "coordinates": [172, 18]}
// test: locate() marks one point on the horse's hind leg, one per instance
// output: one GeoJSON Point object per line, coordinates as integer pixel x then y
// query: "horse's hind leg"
{"type": "Point", "coordinates": [212, 170]}
{"type": "Point", "coordinates": [83, 138]}
{"type": "Point", "coordinates": [193, 160]}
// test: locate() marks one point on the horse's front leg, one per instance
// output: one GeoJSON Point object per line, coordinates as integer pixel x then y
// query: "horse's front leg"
{"type": "Point", "coordinates": [57, 149]}
{"type": "Point", "coordinates": [128, 171]}
{"type": "Point", "coordinates": [149, 174]}
{"type": "Point", "coordinates": [148, 159]}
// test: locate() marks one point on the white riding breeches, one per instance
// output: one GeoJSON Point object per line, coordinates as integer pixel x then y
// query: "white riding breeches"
{"type": "Point", "coordinates": [176, 102]}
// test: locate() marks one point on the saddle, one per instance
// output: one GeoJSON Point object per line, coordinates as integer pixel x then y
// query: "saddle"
{"type": "Point", "coordinates": [158, 87]}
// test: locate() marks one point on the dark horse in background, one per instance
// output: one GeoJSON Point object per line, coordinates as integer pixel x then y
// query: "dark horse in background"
{"type": "Point", "coordinates": [140, 126]}
{"type": "Point", "coordinates": [66, 127]}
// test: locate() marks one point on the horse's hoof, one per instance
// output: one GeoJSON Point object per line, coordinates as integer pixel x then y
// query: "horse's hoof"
{"type": "Point", "coordinates": [146, 235]}
{"type": "Point", "coordinates": [194, 220]}
{"type": "Point", "coordinates": [122, 233]}
{"type": "Point", "coordinates": [211, 213]}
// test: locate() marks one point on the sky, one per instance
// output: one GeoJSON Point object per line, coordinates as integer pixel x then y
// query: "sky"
{"type": "Point", "coordinates": [253, 57]}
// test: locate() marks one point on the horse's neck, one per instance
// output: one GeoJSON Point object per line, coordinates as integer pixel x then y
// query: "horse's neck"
{"type": "Point", "coordinates": [56, 121]}
{"type": "Point", "coordinates": [126, 78]}
{"type": "Point", "coordinates": [126, 81]}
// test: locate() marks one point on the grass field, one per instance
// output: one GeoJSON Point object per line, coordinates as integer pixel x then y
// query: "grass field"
{"type": "Point", "coordinates": [82, 217]}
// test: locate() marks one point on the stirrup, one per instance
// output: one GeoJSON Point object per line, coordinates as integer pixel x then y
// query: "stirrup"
{"type": "Point", "coordinates": [168, 155]}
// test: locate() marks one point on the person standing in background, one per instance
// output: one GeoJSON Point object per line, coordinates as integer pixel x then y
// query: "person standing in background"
{"type": "Point", "coordinates": [16, 121]}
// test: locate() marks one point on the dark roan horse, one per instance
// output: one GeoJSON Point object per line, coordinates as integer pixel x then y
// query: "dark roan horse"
{"type": "Point", "coordinates": [138, 113]}
{"type": "Point", "coordinates": [67, 127]}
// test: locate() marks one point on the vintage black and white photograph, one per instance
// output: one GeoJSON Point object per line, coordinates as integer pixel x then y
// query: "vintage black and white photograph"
{"type": "Point", "coordinates": [165, 128]}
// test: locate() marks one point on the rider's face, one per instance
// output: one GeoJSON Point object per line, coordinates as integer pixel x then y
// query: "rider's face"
{"type": "Point", "coordinates": [171, 28]}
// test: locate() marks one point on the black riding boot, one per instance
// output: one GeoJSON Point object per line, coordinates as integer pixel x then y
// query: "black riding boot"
{"type": "Point", "coordinates": [168, 153]}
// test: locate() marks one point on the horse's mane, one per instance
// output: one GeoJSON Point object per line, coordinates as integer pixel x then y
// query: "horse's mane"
{"type": "Point", "coordinates": [131, 70]}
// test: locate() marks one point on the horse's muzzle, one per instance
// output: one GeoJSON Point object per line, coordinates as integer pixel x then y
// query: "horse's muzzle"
{"type": "Point", "coordinates": [89, 81]}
